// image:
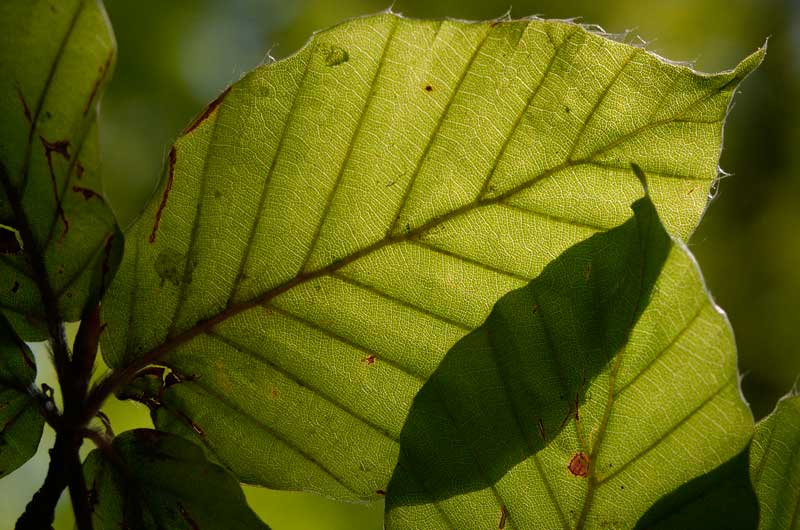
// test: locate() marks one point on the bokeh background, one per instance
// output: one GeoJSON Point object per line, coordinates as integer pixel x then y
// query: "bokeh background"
{"type": "Point", "coordinates": [176, 56]}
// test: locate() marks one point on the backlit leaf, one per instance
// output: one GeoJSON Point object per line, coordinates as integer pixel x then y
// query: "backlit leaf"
{"type": "Point", "coordinates": [775, 466]}
{"type": "Point", "coordinates": [153, 480]}
{"type": "Point", "coordinates": [586, 396]}
{"type": "Point", "coordinates": [333, 223]}
{"type": "Point", "coordinates": [21, 423]}
{"type": "Point", "coordinates": [55, 59]}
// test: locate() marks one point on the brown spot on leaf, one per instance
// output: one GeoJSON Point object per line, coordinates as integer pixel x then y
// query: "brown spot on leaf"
{"type": "Point", "coordinates": [60, 147]}
{"type": "Point", "coordinates": [86, 192]}
{"type": "Point", "coordinates": [206, 112]}
{"type": "Point", "coordinates": [79, 170]}
{"type": "Point", "coordinates": [535, 308]}
{"type": "Point", "coordinates": [104, 266]}
{"type": "Point", "coordinates": [25, 108]}
{"type": "Point", "coordinates": [15, 287]}
{"type": "Point", "coordinates": [188, 518]}
{"type": "Point", "coordinates": [382, 493]}
{"type": "Point", "coordinates": [274, 392]}
{"type": "Point", "coordinates": [369, 359]}
{"type": "Point", "coordinates": [195, 427]}
{"type": "Point", "coordinates": [503, 517]}
{"type": "Point", "coordinates": [102, 71]}
{"type": "Point", "coordinates": [428, 88]}
{"type": "Point", "coordinates": [165, 196]}
{"type": "Point", "coordinates": [579, 464]}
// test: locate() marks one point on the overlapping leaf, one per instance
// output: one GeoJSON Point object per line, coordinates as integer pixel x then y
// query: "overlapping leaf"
{"type": "Point", "coordinates": [333, 223]}
{"type": "Point", "coordinates": [722, 499]}
{"type": "Point", "coordinates": [775, 466]}
{"type": "Point", "coordinates": [55, 58]}
{"type": "Point", "coordinates": [21, 423]}
{"type": "Point", "coordinates": [155, 480]}
{"type": "Point", "coordinates": [604, 384]}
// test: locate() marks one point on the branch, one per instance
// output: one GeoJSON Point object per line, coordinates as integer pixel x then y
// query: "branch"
{"type": "Point", "coordinates": [78, 493]}
{"type": "Point", "coordinates": [41, 509]}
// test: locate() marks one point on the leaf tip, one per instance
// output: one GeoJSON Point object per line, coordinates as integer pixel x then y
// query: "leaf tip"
{"type": "Point", "coordinates": [751, 62]}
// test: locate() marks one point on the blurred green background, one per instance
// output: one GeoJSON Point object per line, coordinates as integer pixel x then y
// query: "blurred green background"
{"type": "Point", "coordinates": [176, 56]}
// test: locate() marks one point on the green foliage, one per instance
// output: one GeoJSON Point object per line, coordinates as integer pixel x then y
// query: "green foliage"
{"type": "Point", "coordinates": [20, 420]}
{"type": "Point", "coordinates": [562, 409]}
{"type": "Point", "coordinates": [775, 466]}
{"type": "Point", "coordinates": [156, 480]}
{"type": "Point", "coordinates": [372, 228]}
{"type": "Point", "coordinates": [310, 300]}
{"type": "Point", "coordinates": [722, 499]}
{"type": "Point", "coordinates": [55, 61]}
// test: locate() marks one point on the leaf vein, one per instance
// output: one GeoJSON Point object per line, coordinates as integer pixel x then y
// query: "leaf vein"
{"type": "Point", "coordinates": [350, 146]}
{"type": "Point", "coordinates": [211, 392]}
{"type": "Point", "coordinates": [431, 139]}
{"type": "Point", "coordinates": [670, 431]}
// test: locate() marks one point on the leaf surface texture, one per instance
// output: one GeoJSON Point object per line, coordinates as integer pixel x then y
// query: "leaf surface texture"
{"type": "Point", "coordinates": [55, 59]}
{"type": "Point", "coordinates": [21, 423]}
{"type": "Point", "coordinates": [775, 466]}
{"type": "Point", "coordinates": [156, 480]}
{"type": "Point", "coordinates": [606, 383]}
{"type": "Point", "coordinates": [333, 223]}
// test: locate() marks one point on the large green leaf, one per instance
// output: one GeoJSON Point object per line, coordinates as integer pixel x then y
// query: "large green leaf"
{"type": "Point", "coordinates": [155, 480]}
{"type": "Point", "coordinates": [55, 59]}
{"type": "Point", "coordinates": [21, 423]}
{"type": "Point", "coordinates": [607, 382]}
{"type": "Point", "coordinates": [333, 223]}
{"type": "Point", "coordinates": [775, 466]}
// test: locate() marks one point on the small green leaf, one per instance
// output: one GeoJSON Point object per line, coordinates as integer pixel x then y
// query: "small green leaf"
{"type": "Point", "coordinates": [154, 480]}
{"type": "Point", "coordinates": [333, 223]}
{"type": "Point", "coordinates": [606, 383]}
{"type": "Point", "coordinates": [21, 422]}
{"type": "Point", "coordinates": [55, 61]}
{"type": "Point", "coordinates": [775, 466]}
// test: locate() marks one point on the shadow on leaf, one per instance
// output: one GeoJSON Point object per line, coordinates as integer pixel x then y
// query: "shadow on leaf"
{"type": "Point", "coordinates": [509, 387]}
{"type": "Point", "coordinates": [722, 499]}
